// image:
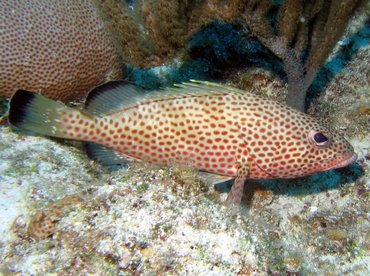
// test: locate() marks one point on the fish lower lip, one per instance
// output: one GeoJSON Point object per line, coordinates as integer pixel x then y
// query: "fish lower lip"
{"type": "Point", "coordinates": [350, 158]}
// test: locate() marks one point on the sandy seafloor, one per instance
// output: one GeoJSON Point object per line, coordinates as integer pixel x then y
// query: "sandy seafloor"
{"type": "Point", "coordinates": [154, 221]}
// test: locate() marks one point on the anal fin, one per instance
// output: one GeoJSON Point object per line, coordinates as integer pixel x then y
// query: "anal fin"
{"type": "Point", "coordinates": [106, 156]}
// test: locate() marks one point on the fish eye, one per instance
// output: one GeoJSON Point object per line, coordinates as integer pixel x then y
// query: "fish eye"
{"type": "Point", "coordinates": [319, 139]}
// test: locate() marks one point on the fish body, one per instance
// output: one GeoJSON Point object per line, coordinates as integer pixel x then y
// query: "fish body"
{"type": "Point", "coordinates": [215, 128]}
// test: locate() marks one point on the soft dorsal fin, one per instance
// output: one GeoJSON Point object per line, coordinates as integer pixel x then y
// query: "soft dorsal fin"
{"type": "Point", "coordinates": [111, 96]}
{"type": "Point", "coordinates": [115, 95]}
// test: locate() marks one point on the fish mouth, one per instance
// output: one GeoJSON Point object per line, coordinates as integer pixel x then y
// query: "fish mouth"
{"type": "Point", "coordinates": [347, 159]}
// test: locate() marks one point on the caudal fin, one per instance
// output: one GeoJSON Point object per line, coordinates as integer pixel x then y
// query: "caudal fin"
{"type": "Point", "coordinates": [38, 114]}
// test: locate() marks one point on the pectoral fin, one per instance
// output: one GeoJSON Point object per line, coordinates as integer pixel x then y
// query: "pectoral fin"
{"type": "Point", "coordinates": [222, 183]}
{"type": "Point", "coordinates": [215, 179]}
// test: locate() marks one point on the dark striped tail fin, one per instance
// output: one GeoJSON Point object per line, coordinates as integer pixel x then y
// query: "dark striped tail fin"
{"type": "Point", "coordinates": [36, 113]}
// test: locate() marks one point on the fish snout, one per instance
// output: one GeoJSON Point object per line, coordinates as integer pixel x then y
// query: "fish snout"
{"type": "Point", "coordinates": [346, 159]}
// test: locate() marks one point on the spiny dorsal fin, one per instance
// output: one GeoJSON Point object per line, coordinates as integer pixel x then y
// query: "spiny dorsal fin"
{"type": "Point", "coordinates": [197, 88]}
{"type": "Point", "coordinates": [117, 95]}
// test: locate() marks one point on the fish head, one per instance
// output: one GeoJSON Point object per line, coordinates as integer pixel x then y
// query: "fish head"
{"type": "Point", "coordinates": [323, 149]}
{"type": "Point", "coordinates": [291, 144]}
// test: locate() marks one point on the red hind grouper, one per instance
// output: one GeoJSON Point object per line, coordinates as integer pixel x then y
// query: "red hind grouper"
{"type": "Point", "coordinates": [215, 128]}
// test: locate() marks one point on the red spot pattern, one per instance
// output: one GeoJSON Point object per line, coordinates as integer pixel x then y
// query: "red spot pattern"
{"type": "Point", "coordinates": [213, 133]}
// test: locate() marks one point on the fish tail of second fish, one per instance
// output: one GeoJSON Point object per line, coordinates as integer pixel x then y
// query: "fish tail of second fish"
{"type": "Point", "coordinates": [38, 114]}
